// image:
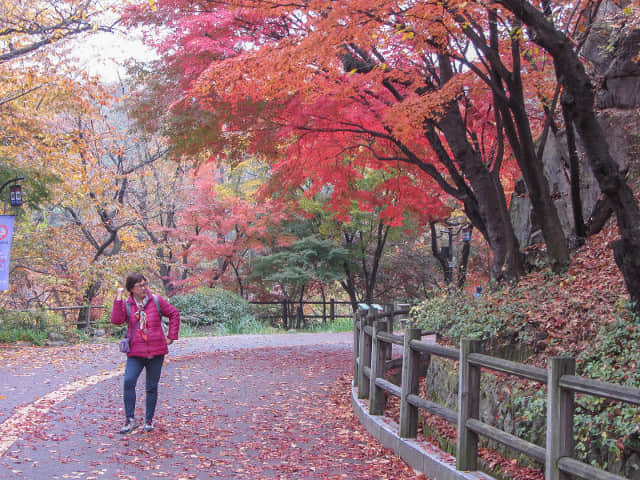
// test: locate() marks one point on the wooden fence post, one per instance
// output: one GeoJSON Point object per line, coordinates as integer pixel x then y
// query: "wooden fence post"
{"type": "Point", "coordinates": [559, 417]}
{"type": "Point", "coordinates": [332, 311]}
{"type": "Point", "coordinates": [285, 313]}
{"type": "Point", "coordinates": [388, 309]}
{"type": "Point", "coordinates": [468, 406]}
{"type": "Point", "coordinates": [299, 317]}
{"type": "Point", "coordinates": [324, 311]}
{"type": "Point", "coordinates": [84, 314]}
{"type": "Point", "coordinates": [377, 399]}
{"type": "Point", "coordinates": [365, 354]}
{"type": "Point", "coordinates": [357, 326]}
{"type": "Point", "coordinates": [410, 383]}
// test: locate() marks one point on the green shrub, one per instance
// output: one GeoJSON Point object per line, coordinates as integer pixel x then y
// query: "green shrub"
{"type": "Point", "coordinates": [605, 431]}
{"type": "Point", "coordinates": [32, 326]}
{"type": "Point", "coordinates": [529, 404]}
{"type": "Point", "coordinates": [604, 428]}
{"type": "Point", "coordinates": [221, 309]}
{"type": "Point", "coordinates": [461, 315]}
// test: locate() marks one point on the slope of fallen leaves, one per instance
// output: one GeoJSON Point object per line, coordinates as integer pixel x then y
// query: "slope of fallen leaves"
{"type": "Point", "coordinates": [568, 310]}
{"type": "Point", "coordinates": [564, 312]}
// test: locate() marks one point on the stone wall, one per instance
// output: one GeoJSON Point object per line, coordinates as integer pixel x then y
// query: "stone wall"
{"type": "Point", "coordinates": [496, 405]}
{"type": "Point", "coordinates": [499, 408]}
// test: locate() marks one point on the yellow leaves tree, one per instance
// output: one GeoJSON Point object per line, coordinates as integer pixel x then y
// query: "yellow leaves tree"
{"type": "Point", "coordinates": [97, 211]}
{"type": "Point", "coordinates": [106, 217]}
{"type": "Point", "coordinates": [27, 26]}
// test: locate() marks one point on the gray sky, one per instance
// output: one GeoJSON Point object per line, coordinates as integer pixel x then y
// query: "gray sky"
{"type": "Point", "coordinates": [104, 54]}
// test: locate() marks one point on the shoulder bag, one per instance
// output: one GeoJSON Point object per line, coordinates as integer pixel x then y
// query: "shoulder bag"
{"type": "Point", "coordinates": [123, 346]}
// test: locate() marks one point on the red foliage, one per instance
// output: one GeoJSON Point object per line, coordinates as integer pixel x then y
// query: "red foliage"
{"type": "Point", "coordinates": [257, 72]}
{"type": "Point", "coordinates": [221, 230]}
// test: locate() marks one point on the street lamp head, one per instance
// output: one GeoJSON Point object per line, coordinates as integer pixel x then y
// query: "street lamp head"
{"type": "Point", "coordinates": [466, 234]}
{"type": "Point", "coordinates": [16, 195]}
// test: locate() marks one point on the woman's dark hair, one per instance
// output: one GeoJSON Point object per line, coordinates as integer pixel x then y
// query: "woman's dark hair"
{"type": "Point", "coordinates": [132, 279]}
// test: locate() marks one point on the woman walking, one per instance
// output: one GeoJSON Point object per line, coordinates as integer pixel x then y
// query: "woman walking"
{"type": "Point", "coordinates": [147, 343]}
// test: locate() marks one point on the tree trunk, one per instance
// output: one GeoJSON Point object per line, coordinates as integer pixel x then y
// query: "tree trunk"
{"type": "Point", "coordinates": [601, 212]}
{"type": "Point", "coordinates": [84, 314]}
{"type": "Point", "coordinates": [491, 203]}
{"type": "Point", "coordinates": [538, 188]}
{"type": "Point", "coordinates": [440, 254]}
{"type": "Point", "coordinates": [381, 241]}
{"type": "Point", "coordinates": [348, 285]}
{"type": "Point", "coordinates": [574, 170]}
{"type": "Point", "coordinates": [579, 98]}
{"type": "Point", "coordinates": [513, 116]}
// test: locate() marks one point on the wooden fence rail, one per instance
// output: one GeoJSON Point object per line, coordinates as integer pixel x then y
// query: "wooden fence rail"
{"type": "Point", "coordinates": [82, 314]}
{"type": "Point", "coordinates": [292, 314]}
{"type": "Point", "coordinates": [373, 340]}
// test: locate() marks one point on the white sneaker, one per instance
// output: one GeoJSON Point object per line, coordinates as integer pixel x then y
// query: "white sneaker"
{"type": "Point", "coordinates": [129, 426]}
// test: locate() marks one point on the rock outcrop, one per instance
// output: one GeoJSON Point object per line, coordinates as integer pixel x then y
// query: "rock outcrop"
{"type": "Point", "coordinates": [612, 51]}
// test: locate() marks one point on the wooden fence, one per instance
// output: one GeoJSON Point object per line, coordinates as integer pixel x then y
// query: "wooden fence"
{"type": "Point", "coordinates": [292, 314]}
{"type": "Point", "coordinates": [373, 340]}
{"type": "Point", "coordinates": [82, 315]}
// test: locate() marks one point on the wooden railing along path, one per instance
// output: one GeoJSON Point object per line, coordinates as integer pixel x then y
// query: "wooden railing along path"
{"type": "Point", "coordinates": [373, 340]}
{"type": "Point", "coordinates": [291, 314]}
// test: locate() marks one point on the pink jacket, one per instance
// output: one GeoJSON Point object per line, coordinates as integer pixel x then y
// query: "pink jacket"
{"type": "Point", "coordinates": [156, 343]}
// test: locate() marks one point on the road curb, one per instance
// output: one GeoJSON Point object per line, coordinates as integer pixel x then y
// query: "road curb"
{"type": "Point", "coordinates": [420, 455]}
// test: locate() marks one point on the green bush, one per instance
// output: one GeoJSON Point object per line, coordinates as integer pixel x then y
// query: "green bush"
{"type": "Point", "coordinates": [461, 315]}
{"type": "Point", "coordinates": [33, 326]}
{"type": "Point", "coordinates": [529, 404]}
{"type": "Point", "coordinates": [221, 309]}
{"type": "Point", "coordinates": [605, 429]}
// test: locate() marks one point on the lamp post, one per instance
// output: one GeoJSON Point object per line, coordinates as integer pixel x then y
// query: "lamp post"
{"type": "Point", "coordinates": [466, 233]}
{"type": "Point", "coordinates": [448, 260]}
{"type": "Point", "coordinates": [15, 196]}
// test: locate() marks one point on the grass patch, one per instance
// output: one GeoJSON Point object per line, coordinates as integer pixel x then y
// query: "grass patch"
{"type": "Point", "coordinates": [338, 325]}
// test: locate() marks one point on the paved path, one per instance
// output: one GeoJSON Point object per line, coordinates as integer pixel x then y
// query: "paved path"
{"type": "Point", "coordinates": [229, 408]}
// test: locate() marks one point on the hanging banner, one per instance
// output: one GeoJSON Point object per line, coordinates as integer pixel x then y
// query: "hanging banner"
{"type": "Point", "coordinates": [6, 232]}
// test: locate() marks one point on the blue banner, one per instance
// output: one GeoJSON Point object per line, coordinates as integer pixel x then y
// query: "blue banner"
{"type": "Point", "coordinates": [6, 232]}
